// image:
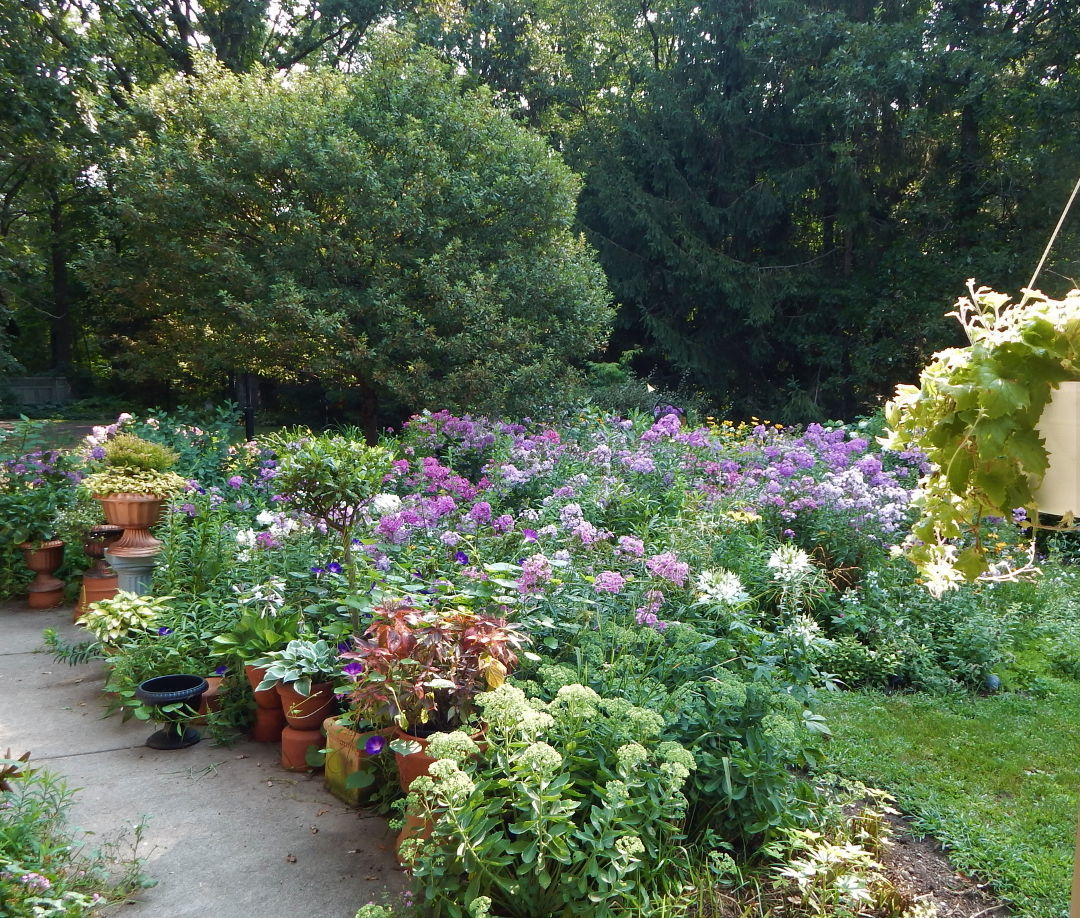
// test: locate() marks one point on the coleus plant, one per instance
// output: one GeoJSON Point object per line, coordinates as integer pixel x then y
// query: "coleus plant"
{"type": "Point", "coordinates": [422, 668]}
{"type": "Point", "coordinates": [975, 416]}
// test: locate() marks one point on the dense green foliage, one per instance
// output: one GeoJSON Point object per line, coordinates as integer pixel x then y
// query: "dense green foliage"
{"type": "Point", "coordinates": [783, 195]}
{"type": "Point", "coordinates": [995, 778]}
{"type": "Point", "coordinates": [386, 231]}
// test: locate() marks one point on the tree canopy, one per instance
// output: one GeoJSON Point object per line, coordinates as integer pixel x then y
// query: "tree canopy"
{"type": "Point", "coordinates": [388, 230]}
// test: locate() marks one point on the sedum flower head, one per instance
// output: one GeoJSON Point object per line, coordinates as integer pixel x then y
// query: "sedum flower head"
{"type": "Point", "coordinates": [450, 781]}
{"type": "Point", "coordinates": [577, 700]}
{"type": "Point", "coordinates": [457, 746]}
{"type": "Point", "coordinates": [504, 707]}
{"type": "Point", "coordinates": [630, 846]}
{"type": "Point", "coordinates": [541, 758]}
{"type": "Point", "coordinates": [631, 756]}
{"type": "Point", "coordinates": [480, 907]}
{"type": "Point", "coordinates": [671, 751]}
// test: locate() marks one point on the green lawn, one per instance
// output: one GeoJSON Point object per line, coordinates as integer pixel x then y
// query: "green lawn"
{"type": "Point", "coordinates": [996, 779]}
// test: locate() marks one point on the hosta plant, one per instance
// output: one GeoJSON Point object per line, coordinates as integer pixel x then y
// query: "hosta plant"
{"type": "Point", "coordinates": [300, 663]}
{"type": "Point", "coordinates": [975, 415]}
{"type": "Point", "coordinates": [113, 620]}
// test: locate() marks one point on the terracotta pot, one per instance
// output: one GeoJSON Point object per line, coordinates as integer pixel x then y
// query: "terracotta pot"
{"type": "Point", "coordinates": [415, 826]}
{"type": "Point", "coordinates": [295, 745]}
{"type": "Point", "coordinates": [94, 589]}
{"type": "Point", "coordinates": [268, 726]}
{"type": "Point", "coordinates": [345, 756]}
{"type": "Point", "coordinates": [267, 698]}
{"type": "Point", "coordinates": [99, 538]}
{"type": "Point", "coordinates": [45, 591]}
{"type": "Point", "coordinates": [306, 712]}
{"type": "Point", "coordinates": [410, 767]}
{"type": "Point", "coordinates": [136, 513]}
{"type": "Point", "coordinates": [210, 700]}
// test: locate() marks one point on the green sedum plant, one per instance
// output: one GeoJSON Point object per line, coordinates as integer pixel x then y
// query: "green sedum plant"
{"type": "Point", "coordinates": [974, 415]}
{"type": "Point", "coordinates": [572, 808]}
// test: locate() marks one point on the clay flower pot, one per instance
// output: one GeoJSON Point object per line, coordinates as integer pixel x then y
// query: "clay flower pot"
{"type": "Point", "coordinates": [136, 513]}
{"type": "Point", "coordinates": [306, 712]}
{"type": "Point", "coordinates": [45, 591]}
{"type": "Point", "coordinates": [346, 751]}
{"type": "Point", "coordinates": [266, 698]}
{"type": "Point", "coordinates": [411, 766]}
{"type": "Point", "coordinates": [295, 745]}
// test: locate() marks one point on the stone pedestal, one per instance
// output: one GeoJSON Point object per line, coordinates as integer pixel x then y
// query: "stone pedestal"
{"type": "Point", "coordinates": [133, 574]}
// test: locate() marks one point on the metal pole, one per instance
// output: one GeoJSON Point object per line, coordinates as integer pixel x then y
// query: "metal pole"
{"type": "Point", "coordinates": [1074, 909]}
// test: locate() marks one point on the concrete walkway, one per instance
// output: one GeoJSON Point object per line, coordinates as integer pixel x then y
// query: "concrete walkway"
{"type": "Point", "coordinates": [229, 833]}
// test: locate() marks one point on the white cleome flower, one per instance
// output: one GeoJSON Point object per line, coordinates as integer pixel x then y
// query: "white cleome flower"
{"type": "Point", "coordinates": [790, 564]}
{"type": "Point", "coordinates": [721, 587]}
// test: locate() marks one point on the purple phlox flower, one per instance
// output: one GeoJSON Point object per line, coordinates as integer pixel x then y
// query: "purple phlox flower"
{"type": "Point", "coordinates": [461, 557]}
{"type": "Point", "coordinates": [353, 670]}
{"type": "Point", "coordinates": [480, 512]}
{"type": "Point", "coordinates": [193, 485]}
{"type": "Point", "coordinates": [164, 631]}
{"type": "Point", "coordinates": [609, 582]}
{"type": "Point", "coordinates": [266, 540]}
{"type": "Point", "coordinates": [236, 482]}
{"type": "Point", "coordinates": [632, 546]}
{"type": "Point", "coordinates": [189, 509]}
{"type": "Point", "coordinates": [503, 524]}
{"type": "Point", "coordinates": [374, 745]}
{"type": "Point", "coordinates": [1019, 515]}
{"type": "Point", "coordinates": [529, 535]}
{"type": "Point", "coordinates": [97, 452]}
{"type": "Point", "coordinates": [668, 566]}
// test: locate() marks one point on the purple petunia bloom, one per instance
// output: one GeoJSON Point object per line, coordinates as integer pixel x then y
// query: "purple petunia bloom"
{"type": "Point", "coordinates": [333, 568]}
{"type": "Point", "coordinates": [220, 671]}
{"type": "Point", "coordinates": [374, 745]}
{"type": "Point", "coordinates": [353, 670]}
{"type": "Point", "coordinates": [529, 535]}
{"type": "Point", "coordinates": [461, 557]}
{"type": "Point", "coordinates": [164, 631]}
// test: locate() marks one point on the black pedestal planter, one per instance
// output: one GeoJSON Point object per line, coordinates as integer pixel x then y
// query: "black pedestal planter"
{"type": "Point", "coordinates": [177, 700]}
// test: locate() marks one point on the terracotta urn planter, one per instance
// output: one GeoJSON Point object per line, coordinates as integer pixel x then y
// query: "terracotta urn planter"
{"type": "Point", "coordinates": [45, 591]}
{"type": "Point", "coordinates": [306, 712]}
{"type": "Point", "coordinates": [135, 513]}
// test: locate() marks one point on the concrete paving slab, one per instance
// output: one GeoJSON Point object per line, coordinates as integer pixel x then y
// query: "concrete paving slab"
{"type": "Point", "coordinates": [229, 833]}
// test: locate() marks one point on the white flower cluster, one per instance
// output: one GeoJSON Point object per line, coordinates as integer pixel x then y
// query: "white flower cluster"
{"type": "Point", "coordinates": [457, 746]}
{"type": "Point", "coordinates": [540, 758]}
{"type": "Point", "coordinates": [721, 587]}
{"type": "Point", "coordinates": [790, 564]}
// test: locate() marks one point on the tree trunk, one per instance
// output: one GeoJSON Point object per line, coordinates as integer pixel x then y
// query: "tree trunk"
{"type": "Point", "coordinates": [62, 326]}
